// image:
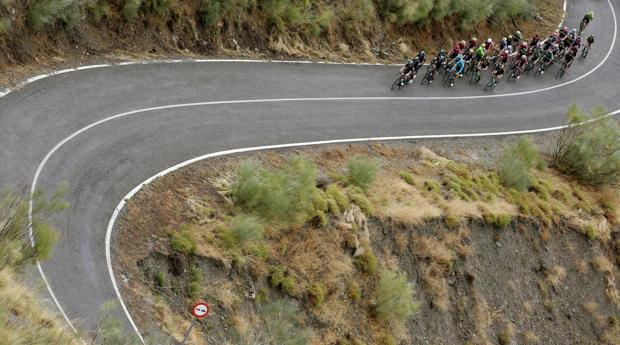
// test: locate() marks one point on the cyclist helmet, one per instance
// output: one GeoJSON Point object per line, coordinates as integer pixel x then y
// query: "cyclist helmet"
{"type": "Point", "coordinates": [471, 50]}
{"type": "Point", "coordinates": [524, 45]}
{"type": "Point", "coordinates": [574, 30]}
{"type": "Point", "coordinates": [523, 57]}
{"type": "Point", "coordinates": [510, 37]}
{"type": "Point", "coordinates": [442, 52]}
{"type": "Point", "coordinates": [590, 14]}
{"type": "Point", "coordinates": [503, 39]}
{"type": "Point", "coordinates": [462, 43]}
{"type": "Point", "coordinates": [518, 33]}
{"type": "Point", "coordinates": [417, 59]}
{"type": "Point", "coordinates": [578, 40]}
{"type": "Point", "coordinates": [565, 29]}
{"type": "Point", "coordinates": [489, 40]}
{"type": "Point", "coordinates": [475, 39]}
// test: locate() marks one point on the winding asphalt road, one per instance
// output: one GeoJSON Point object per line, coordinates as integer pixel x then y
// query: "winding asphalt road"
{"type": "Point", "coordinates": [288, 102]}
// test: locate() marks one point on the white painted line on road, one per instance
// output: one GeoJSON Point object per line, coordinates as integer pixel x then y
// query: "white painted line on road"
{"type": "Point", "coordinates": [563, 15]}
{"type": "Point", "coordinates": [81, 68]}
{"type": "Point", "coordinates": [35, 78]}
{"type": "Point", "coordinates": [126, 198]}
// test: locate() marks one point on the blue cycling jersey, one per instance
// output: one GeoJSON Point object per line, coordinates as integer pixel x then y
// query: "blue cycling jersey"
{"type": "Point", "coordinates": [459, 66]}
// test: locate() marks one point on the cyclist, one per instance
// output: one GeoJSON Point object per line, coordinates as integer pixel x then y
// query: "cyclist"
{"type": "Point", "coordinates": [408, 70]}
{"type": "Point", "coordinates": [481, 52]}
{"type": "Point", "coordinates": [551, 40]}
{"type": "Point", "coordinates": [503, 43]}
{"type": "Point", "coordinates": [587, 19]}
{"type": "Point", "coordinates": [520, 66]}
{"type": "Point", "coordinates": [547, 58]}
{"type": "Point", "coordinates": [535, 40]}
{"type": "Point", "coordinates": [568, 59]}
{"type": "Point", "coordinates": [421, 58]}
{"type": "Point", "coordinates": [459, 65]}
{"type": "Point", "coordinates": [516, 38]}
{"type": "Point", "coordinates": [523, 48]}
{"type": "Point", "coordinates": [573, 34]}
{"type": "Point", "coordinates": [473, 43]}
{"type": "Point", "coordinates": [440, 59]}
{"type": "Point", "coordinates": [454, 52]}
{"type": "Point", "coordinates": [488, 45]}
{"type": "Point", "coordinates": [503, 56]}
{"type": "Point", "coordinates": [577, 42]}
{"type": "Point", "coordinates": [498, 71]}
{"type": "Point", "coordinates": [590, 41]}
{"type": "Point", "coordinates": [563, 32]}
{"type": "Point", "coordinates": [462, 45]}
{"type": "Point", "coordinates": [483, 64]}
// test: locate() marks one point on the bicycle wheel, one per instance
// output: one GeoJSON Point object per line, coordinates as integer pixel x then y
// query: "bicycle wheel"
{"type": "Point", "coordinates": [397, 83]}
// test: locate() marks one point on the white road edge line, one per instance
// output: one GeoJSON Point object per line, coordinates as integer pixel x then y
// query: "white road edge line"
{"type": "Point", "coordinates": [51, 152]}
{"type": "Point", "coordinates": [134, 191]}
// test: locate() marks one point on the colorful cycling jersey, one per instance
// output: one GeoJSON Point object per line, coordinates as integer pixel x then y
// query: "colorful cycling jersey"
{"type": "Point", "coordinates": [481, 52]}
{"type": "Point", "coordinates": [488, 46]}
{"type": "Point", "coordinates": [459, 66]}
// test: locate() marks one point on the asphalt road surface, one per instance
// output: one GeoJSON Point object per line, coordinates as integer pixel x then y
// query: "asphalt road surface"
{"type": "Point", "coordinates": [278, 103]}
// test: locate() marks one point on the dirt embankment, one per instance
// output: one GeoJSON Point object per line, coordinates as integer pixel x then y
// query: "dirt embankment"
{"type": "Point", "coordinates": [97, 30]}
{"type": "Point", "coordinates": [488, 266]}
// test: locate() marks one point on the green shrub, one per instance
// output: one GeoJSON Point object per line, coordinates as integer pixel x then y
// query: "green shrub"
{"type": "Point", "coordinates": [160, 279]}
{"type": "Point", "coordinates": [408, 178]}
{"type": "Point", "coordinates": [159, 7]}
{"type": "Point", "coordinates": [196, 283]}
{"type": "Point", "coordinates": [401, 12]}
{"type": "Point", "coordinates": [367, 262]}
{"type": "Point", "coordinates": [333, 192]}
{"type": "Point", "coordinates": [589, 149]}
{"type": "Point", "coordinates": [183, 240]}
{"type": "Point", "coordinates": [246, 229]}
{"type": "Point", "coordinates": [361, 171]}
{"type": "Point", "coordinates": [317, 292]}
{"type": "Point", "coordinates": [516, 163]}
{"type": "Point", "coordinates": [5, 25]}
{"type": "Point", "coordinates": [394, 297]}
{"type": "Point", "coordinates": [97, 9]}
{"type": "Point", "coordinates": [130, 9]}
{"type": "Point", "coordinates": [284, 195]}
{"type": "Point", "coordinates": [353, 291]}
{"type": "Point", "coordinates": [280, 279]}
{"type": "Point", "coordinates": [432, 186]}
{"type": "Point", "coordinates": [48, 12]}
{"type": "Point", "coordinates": [16, 248]}
{"type": "Point", "coordinates": [281, 325]}
{"type": "Point", "coordinates": [359, 198]}
{"type": "Point", "coordinates": [501, 221]}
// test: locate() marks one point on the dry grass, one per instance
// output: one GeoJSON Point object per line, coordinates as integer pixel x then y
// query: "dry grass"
{"type": "Point", "coordinates": [23, 324]}
{"type": "Point", "coordinates": [530, 338]}
{"type": "Point", "coordinates": [434, 283]}
{"type": "Point", "coordinates": [395, 199]}
{"type": "Point", "coordinates": [555, 276]}
{"type": "Point", "coordinates": [611, 291]}
{"type": "Point", "coordinates": [603, 264]}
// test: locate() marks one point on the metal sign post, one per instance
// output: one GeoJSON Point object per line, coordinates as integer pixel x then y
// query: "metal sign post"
{"type": "Point", "coordinates": [199, 310]}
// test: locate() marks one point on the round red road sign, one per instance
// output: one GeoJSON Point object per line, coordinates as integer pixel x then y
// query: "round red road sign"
{"type": "Point", "coordinates": [200, 310]}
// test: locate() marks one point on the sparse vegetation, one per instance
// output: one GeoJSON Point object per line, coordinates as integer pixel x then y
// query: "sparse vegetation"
{"type": "Point", "coordinates": [394, 297]}
{"type": "Point", "coordinates": [283, 195]}
{"type": "Point", "coordinates": [183, 240]}
{"type": "Point", "coordinates": [246, 229]}
{"type": "Point", "coordinates": [361, 172]}
{"type": "Point", "coordinates": [280, 319]}
{"type": "Point", "coordinates": [42, 13]}
{"type": "Point", "coordinates": [517, 162]}
{"type": "Point", "coordinates": [589, 148]}
{"type": "Point", "coordinates": [347, 254]}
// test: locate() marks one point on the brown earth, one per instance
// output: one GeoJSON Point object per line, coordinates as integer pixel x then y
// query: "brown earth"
{"type": "Point", "coordinates": [539, 279]}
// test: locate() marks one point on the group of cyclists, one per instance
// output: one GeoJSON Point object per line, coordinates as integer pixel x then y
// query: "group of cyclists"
{"type": "Point", "coordinates": [512, 55]}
